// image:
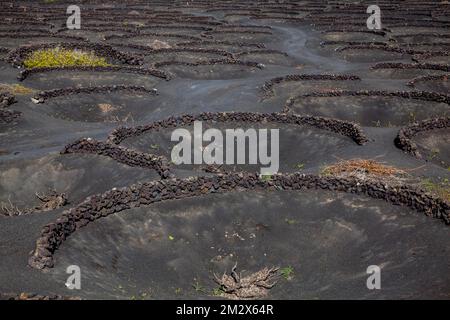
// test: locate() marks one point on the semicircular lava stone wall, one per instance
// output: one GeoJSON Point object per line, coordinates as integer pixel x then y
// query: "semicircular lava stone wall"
{"type": "Point", "coordinates": [261, 51]}
{"type": "Point", "coordinates": [345, 128]}
{"type": "Point", "coordinates": [7, 116]}
{"type": "Point", "coordinates": [221, 42]}
{"type": "Point", "coordinates": [224, 55]}
{"type": "Point", "coordinates": [404, 139]}
{"type": "Point", "coordinates": [413, 82]}
{"type": "Point", "coordinates": [268, 86]}
{"type": "Point", "coordinates": [37, 34]}
{"type": "Point", "coordinates": [44, 95]}
{"type": "Point", "coordinates": [135, 158]}
{"type": "Point", "coordinates": [151, 51]}
{"type": "Point", "coordinates": [404, 66]}
{"type": "Point", "coordinates": [117, 200]}
{"type": "Point", "coordinates": [35, 296]}
{"type": "Point", "coordinates": [120, 154]}
{"type": "Point", "coordinates": [4, 50]}
{"type": "Point", "coordinates": [148, 34]}
{"type": "Point", "coordinates": [210, 62]}
{"type": "Point", "coordinates": [416, 95]}
{"type": "Point", "coordinates": [135, 70]}
{"type": "Point", "coordinates": [419, 95]}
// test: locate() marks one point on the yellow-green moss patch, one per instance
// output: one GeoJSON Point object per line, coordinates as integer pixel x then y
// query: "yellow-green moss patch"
{"type": "Point", "coordinates": [60, 57]}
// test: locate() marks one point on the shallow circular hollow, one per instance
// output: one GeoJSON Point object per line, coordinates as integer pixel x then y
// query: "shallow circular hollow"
{"type": "Point", "coordinates": [65, 78]}
{"type": "Point", "coordinates": [275, 58]}
{"type": "Point", "coordinates": [300, 147]}
{"type": "Point", "coordinates": [434, 145]}
{"type": "Point", "coordinates": [120, 107]}
{"type": "Point", "coordinates": [229, 46]}
{"type": "Point", "coordinates": [411, 34]}
{"type": "Point", "coordinates": [173, 29]}
{"type": "Point", "coordinates": [287, 89]}
{"type": "Point", "coordinates": [210, 72]}
{"type": "Point", "coordinates": [407, 74]}
{"type": "Point", "coordinates": [405, 38]}
{"type": "Point", "coordinates": [8, 72]}
{"type": "Point", "coordinates": [243, 37]}
{"type": "Point", "coordinates": [352, 36]}
{"type": "Point", "coordinates": [147, 40]}
{"type": "Point", "coordinates": [171, 249]}
{"type": "Point", "coordinates": [91, 35]}
{"type": "Point", "coordinates": [372, 111]}
{"type": "Point", "coordinates": [372, 55]}
{"type": "Point", "coordinates": [12, 43]}
{"type": "Point", "coordinates": [443, 60]}
{"type": "Point", "coordinates": [185, 56]}
{"type": "Point", "coordinates": [76, 175]}
{"type": "Point", "coordinates": [441, 85]}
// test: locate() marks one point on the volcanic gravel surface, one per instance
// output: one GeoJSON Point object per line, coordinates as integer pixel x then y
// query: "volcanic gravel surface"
{"type": "Point", "coordinates": [141, 227]}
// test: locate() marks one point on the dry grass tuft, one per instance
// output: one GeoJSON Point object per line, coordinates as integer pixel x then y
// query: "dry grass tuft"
{"type": "Point", "coordinates": [16, 89]}
{"type": "Point", "coordinates": [106, 107]}
{"type": "Point", "coordinates": [48, 202]}
{"type": "Point", "coordinates": [253, 286]}
{"type": "Point", "coordinates": [363, 169]}
{"type": "Point", "coordinates": [158, 44]}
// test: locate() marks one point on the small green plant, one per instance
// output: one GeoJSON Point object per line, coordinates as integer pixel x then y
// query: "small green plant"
{"type": "Point", "coordinates": [300, 166]}
{"type": "Point", "coordinates": [218, 291]}
{"type": "Point", "coordinates": [266, 178]}
{"type": "Point", "coordinates": [434, 153]}
{"type": "Point", "coordinates": [287, 272]}
{"type": "Point", "coordinates": [154, 146]}
{"type": "Point", "coordinates": [198, 287]}
{"type": "Point", "coordinates": [290, 221]}
{"type": "Point", "coordinates": [178, 291]}
{"type": "Point", "coordinates": [142, 296]}
{"type": "Point", "coordinates": [60, 57]}
{"type": "Point", "coordinates": [323, 171]}
{"type": "Point", "coordinates": [171, 238]}
{"type": "Point", "coordinates": [440, 188]}
{"type": "Point", "coordinates": [412, 117]}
